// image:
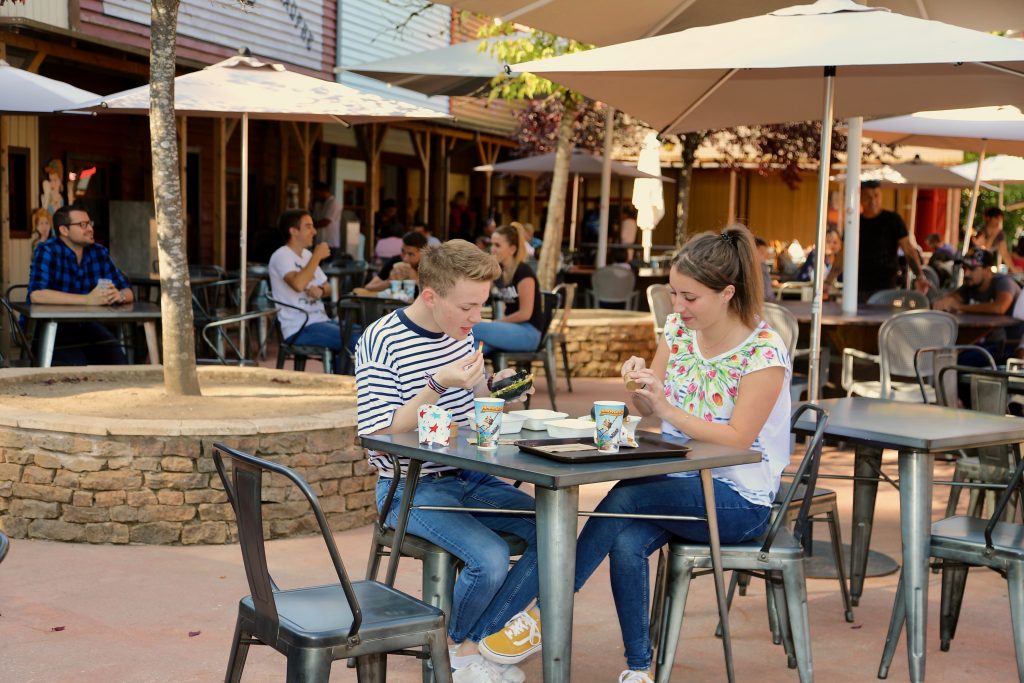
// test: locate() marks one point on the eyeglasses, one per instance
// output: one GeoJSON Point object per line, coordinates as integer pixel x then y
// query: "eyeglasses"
{"type": "Point", "coordinates": [83, 224]}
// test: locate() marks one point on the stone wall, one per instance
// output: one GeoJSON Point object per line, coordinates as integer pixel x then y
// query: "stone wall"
{"type": "Point", "coordinates": [599, 341]}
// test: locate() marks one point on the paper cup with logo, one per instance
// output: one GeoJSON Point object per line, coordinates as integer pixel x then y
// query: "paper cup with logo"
{"type": "Point", "coordinates": [608, 425]}
{"type": "Point", "coordinates": [487, 418]}
{"type": "Point", "coordinates": [434, 425]}
{"type": "Point", "coordinates": [409, 288]}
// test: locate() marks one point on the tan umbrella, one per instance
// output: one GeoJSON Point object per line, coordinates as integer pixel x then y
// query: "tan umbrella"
{"type": "Point", "coordinates": [23, 92]}
{"type": "Point", "coordinates": [1001, 169]}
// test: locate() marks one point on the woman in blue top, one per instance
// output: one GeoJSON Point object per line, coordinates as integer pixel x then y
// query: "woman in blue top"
{"type": "Point", "coordinates": [519, 329]}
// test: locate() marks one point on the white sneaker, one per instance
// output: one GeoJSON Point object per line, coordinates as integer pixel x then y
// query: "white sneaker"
{"type": "Point", "coordinates": [483, 671]}
{"type": "Point", "coordinates": [630, 676]}
{"type": "Point", "coordinates": [519, 639]}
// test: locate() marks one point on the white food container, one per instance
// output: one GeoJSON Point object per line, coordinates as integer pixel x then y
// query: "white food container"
{"type": "Point", "coordinates": [571, 428]}
{"type": "Point", "coordinates": [511, 424]}
{"type": "Point", "coordinates": [537, 418]}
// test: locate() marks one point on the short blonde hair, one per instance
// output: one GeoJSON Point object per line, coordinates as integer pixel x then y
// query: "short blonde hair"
{"type": "Point", "coordinates": [441, 267]}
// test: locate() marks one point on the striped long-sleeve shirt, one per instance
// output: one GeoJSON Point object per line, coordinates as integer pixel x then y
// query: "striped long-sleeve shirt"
{"type": "Point", "coordinates": [393, 357]}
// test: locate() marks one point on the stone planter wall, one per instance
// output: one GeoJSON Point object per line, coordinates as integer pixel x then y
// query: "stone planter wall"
{"type": "Point", "coordinates": [600, 341]}
{"type": "Point", "coordinates": [99, 480]}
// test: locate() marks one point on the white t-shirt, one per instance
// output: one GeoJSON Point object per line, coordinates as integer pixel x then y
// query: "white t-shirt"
{"type": "Point", "coordinates": [286, 261]}
{"type": "Point", "coordinates": [329, 209]}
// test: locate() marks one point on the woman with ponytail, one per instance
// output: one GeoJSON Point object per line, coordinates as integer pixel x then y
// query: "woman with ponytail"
{"type": "Point", "coordinates": [720, 375]}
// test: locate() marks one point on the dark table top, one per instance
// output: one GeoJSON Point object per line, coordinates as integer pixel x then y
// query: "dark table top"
{"type": "Point", "coordinates": [509, 462]}
{"type": "Point", "coordinates": [832, 314]}
{"type": "Point", "coordinates": [139, 310]}
{"type": "Point", "coordinates": [913, 426]}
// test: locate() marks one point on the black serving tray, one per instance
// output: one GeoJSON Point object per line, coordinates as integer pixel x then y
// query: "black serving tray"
{"type": "Point", "coordinates": [649, 447]}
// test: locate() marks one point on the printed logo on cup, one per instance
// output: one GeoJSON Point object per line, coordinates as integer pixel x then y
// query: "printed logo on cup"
{"type": "Point", "coordinates": [610, 412]}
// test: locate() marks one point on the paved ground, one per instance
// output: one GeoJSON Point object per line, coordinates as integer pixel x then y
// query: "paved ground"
{"type": "Point", "coordinates": [82, 613]}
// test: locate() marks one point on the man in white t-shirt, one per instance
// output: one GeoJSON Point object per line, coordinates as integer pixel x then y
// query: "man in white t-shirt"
{"type": "Point", "coordinates": [297, 280]}
{"type": "Point", "coordinates": [327, 215]}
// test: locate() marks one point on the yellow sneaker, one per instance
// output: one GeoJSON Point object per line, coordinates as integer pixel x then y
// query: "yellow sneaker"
{"type": "Point", "coordinates": [518, 640]}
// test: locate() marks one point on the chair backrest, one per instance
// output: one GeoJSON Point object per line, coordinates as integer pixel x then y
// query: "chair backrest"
{"type": "Point", "coordinates": [18, 338]}
{"type": "Point", "coordinates": [929, 362]}
{"type": "Point", "coordinates": [907, 299]}
{"type": "Point", "coordinates": [659, 300]}
{"type": "Point", "coordinates": [209, 297]}
{"type": "Point", "coordinates": [550, 301]}
{"type": "Point", "coordinates": [989, 392]}
{"type": "Point", "coordinates": [1013, 487]}
{"type": "Point", "coordinates": [223, 326]}
{"type": "Point", "coordinates": [932, 276]}
{"type": "Point", "coordinates": [784, 322]}
{"type": "Point", "coordinates": [902, 335]}
{"type": "Point", "coordinates": [17, 292]}
{"type": "Point", "coordinates": [243, 488]}
{"type": "Point", "coordinates": [566, 292]}
{"type": "Point", "coordinates": [613, 284]}
{"type": "Point", "coordinates": [805, 478]}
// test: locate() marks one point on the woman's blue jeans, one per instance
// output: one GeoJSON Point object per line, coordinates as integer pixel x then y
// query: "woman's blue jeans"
{"type": "Point", "coordinates": [629, 542]}
{"type": "Point", "coordinates": [499, 336]}
{"type": "Point", "coordinates": [487, 593]}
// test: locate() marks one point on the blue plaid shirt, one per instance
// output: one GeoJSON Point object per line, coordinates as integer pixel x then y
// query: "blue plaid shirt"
{"type": "Point", "coordinates": [55, 266]}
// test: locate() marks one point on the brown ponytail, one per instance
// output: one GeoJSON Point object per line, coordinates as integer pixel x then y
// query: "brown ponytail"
{"type": "Point", "coordinates": [717, 260]}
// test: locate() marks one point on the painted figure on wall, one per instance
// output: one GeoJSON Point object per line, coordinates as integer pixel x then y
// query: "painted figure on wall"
{"type": "Point", "coordinates": [42, 226]}
{"type": "Point", "coordinates": [53, 187]}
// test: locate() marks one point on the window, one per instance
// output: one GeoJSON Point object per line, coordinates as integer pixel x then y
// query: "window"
{"type": "Point", "coordinates": [20, 190]}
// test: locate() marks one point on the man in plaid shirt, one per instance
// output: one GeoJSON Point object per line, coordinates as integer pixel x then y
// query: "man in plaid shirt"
{"type": "Point", "coordinates": [71, 268]}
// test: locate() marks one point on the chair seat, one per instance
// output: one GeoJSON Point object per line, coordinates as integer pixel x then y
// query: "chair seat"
{"type": "Point", "coordinates": [959, 533]}
{"type": "Point", "coordinates": [319, 616]}
{"type": "Point", "coordinates": [904, 392]}
{"type": "Point", "coordinates": [784, 547]}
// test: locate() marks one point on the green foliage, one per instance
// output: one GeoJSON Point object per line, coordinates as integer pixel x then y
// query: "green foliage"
{"type": "Point", "coordinates": [1013, 221]}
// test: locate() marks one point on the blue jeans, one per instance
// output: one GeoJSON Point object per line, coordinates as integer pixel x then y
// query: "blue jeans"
{"type": "Point", "coordinates": [629, 542]}
{"type": "Point", "coordinates": [90, 344]}
{"type": "Point", "coordinates": [499, 336]}
{"type": "Point", "coordinates": [487, 593]}
{"type": "Point", "coordinates": [327, 334]}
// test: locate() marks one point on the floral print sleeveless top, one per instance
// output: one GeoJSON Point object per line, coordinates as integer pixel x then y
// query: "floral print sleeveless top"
{"type": "Point", "coordinates": [709, 387]}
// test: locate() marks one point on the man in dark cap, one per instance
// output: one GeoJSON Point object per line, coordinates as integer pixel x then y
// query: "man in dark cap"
{"type": "Point", "coordinates": [983, 291]}
{"type": "Point", "coordinates": [882, 234]}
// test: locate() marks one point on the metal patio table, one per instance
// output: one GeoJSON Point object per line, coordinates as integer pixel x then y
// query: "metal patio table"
{"type": "Point", "coordinates": [918, 432]}
{"type": "Point", "coordinates": [557, 507]}
{"type": "Point", "coordinates": [50, 315]}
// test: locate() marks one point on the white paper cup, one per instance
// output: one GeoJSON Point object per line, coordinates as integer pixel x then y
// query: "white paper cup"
{"type": "Point", "coordinates": [608, 417]}
{"type": "Point", "coordinates": [487, 414]}
{"type": "Point", "coordinates": [434, 426]}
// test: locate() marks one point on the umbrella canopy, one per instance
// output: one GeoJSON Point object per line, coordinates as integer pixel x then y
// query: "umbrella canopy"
{"type": "Point", "coordinates": [915, 173]}
{"type": "Point", "coordinates": [23, 92]}
{"type": "Point", "coordinates": [886, 62]}
{"type": "Point", "coordinates": [1002, 128]}
{"type": "Point", "coordinates": [461, 69]}
{"type": "Point", "coordinates": [580, 163]}
{"type": "Point", "coordinates": [648, 197]}
{"type": "Point", "coordinates": [604, 22]}
{"type": "Point", "coordinates": [245, 85]}
{"type": "Point", "coordinates": [1001, 168]}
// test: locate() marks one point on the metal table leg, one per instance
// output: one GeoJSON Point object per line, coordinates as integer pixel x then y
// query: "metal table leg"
{"type": "Point", "coordinates": [915, 525]}
{"type": "Point", "coordinates": [46, 343]}
{"type": "Point", "coordinates": [149, 328]}
{"type": "Point", "coordinates": [716, 568]}
{"type": "Point", "coordinates": [866, 464]}
{"type": "Point", "coordinates": [412, 478]}
{"type": "Point", "coordinates": [556, 557]}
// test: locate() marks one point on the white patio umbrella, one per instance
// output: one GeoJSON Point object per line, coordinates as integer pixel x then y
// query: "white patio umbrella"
{"type": "Point", "coordinates": [648, 197]}
{"type": "Point", "coordinates": [245, 87]}
{"type": "Point", "coordinates": [23, 92]}
{"type": "Point", "coordinates": [999, 129]}
{"type": "Point", "coordinates": [685, 81]}
{"type": "Point", "coordinates": [1001, 169]}
{"type": "Point", "coordinates": [580, 163]}
{"type": "Point", "coordinates": [605, 22]}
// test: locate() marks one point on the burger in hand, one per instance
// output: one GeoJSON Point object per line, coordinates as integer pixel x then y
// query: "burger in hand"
{"type": "Point", "coordinates": [511, 387]}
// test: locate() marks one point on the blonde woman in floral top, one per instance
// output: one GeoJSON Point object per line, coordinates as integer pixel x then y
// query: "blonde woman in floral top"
{"type": "Point", "coordinates": [721, 375]}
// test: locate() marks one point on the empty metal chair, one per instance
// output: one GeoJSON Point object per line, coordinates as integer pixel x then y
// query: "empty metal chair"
{"type": "Point", "coordinates": [659, 300]}
{"type": "Point", "coordinates": [961, 543]}
{"type": "Point", "coordinates": [559, 333]}
{"type": "Point", "coordinates": [313, 626]}
{"type": "Point", "coordinates": [613, 285]}
{"type": "Point", "coordinates": [932, 276]}
{"type": "Point", "coordinates": [899, 338]}
{"type": "Point", "coordinates": [217, 335]}
{"type": "Point", "coordinates": [545, 350]}
{"type": "Point", "coordinates": [907, 299]}
{"type": "Point", "coordinates": [777, 556]}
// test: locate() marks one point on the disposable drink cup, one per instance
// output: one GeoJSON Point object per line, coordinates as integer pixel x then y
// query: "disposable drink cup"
{"type": "Point", "coordinates": [409, 287]}
{"type": "Point", "coordinates": [396, 286]}
{"type": "Point", "coordinates": [608, 417]}
{"type": "Point", "coordinates": [487, 414]}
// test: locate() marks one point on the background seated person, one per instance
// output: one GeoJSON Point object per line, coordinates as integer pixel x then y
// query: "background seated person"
{"type": "Point", "coordinates": [982, 292]}
{"type": "Point", "coordinates": [296, 279]}
{"type": "Point", "coordinates": [391, 245]}
{"type": "Point", "coordinates": [73, 269]}
{"type": "Point", "coordinates": [833, 245]}
{"type": "Point", "coordinates": [401, 267]}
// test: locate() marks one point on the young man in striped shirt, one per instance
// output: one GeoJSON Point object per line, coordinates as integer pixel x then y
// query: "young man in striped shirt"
{"type": "Point", "coordinates": [425, 354]}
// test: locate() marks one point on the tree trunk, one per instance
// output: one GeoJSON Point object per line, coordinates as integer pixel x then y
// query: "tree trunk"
{"type": "Point", "coordinates": [690, 142]}
{"type": "Point", "coordinates": [551, 250]}
{"type": "Point", "coordinates": [180, 377]}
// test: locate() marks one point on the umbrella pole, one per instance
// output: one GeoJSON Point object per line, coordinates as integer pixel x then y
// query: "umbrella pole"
{"type": "Point", "coordinates": [606, 187]}
{"type": "Point", "coordinates": [851, 216]}
{"type": "Point", "coordinates": [819, 246]}
{"type": "Point", "coordinates": [969, 219]}
{"type": "Point", "coordinates": [243, 229]}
